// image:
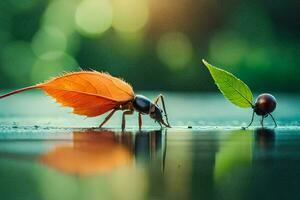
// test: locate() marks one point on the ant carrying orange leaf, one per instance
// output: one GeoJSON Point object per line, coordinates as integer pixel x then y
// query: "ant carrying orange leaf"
{"type": "Point", "coordinates": [92, 93]}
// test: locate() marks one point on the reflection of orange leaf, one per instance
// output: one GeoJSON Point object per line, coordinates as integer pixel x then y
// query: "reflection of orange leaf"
{"type": "Point", "coordinates": [91, 153]}
{"type": "Point", "coordinates": [89, 93]}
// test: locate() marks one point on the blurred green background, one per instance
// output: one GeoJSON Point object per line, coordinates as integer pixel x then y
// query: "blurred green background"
{"type": "Point", "coordinates": [154, 45]}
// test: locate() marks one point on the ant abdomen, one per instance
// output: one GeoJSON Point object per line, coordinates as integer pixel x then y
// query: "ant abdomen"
{"type": "Point", "coordinates": [265, 104]}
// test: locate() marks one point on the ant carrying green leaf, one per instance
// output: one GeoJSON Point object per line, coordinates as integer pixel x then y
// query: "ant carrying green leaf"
{"type": "Point", "coordinates": [238, 93]}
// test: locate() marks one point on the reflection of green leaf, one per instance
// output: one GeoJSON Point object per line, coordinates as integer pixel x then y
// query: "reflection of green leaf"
{"type": "Point", "coordinates": [234, 155]}
{"type": "Point", "coordinates": [235, 90]}
{"type": "Point", "coordinates": [233, 170]}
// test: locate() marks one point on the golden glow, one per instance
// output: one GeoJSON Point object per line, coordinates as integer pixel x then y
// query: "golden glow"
{"type": "Point", "coordinates": [175, 50]}
{"type": "Point", "coordinates": [93, 17]}
{"type": "Point", "coordinates": [130, 15]}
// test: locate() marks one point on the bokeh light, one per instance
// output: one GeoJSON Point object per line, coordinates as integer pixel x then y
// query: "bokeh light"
{"type": "Point", "coordinates": [94, 17]}
{"type": "Point", "coordinates": [43, 69]}
{"type": "Point", "coordinates": [130, 15]}
{"type": "Point", "coordinates": [175, 50]}
{"type": "Point", "coordinates": [73, 43]}
{"type": "Point", "coordinates": [47, 40]}
{"type": "Point", "coordinates": [228, 48]}
{"type": "Point", "coordinates": [60, 14]}
{"type": "Point", "coordinates": [132, 37]}
{"type": "Point", "coordinates": [130, 44]}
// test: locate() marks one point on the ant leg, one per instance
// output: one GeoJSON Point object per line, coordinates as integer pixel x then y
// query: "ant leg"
{"type": "Point", "coordinates": [273, 120]}
{"type": "Point", "coordinates": [108, 117]}
{"type": "Point", "coordinates": [161, 97]}
{"type": "Point", "coordinates": [127, 112]}
{"type": "Point", "coordinates": [262, 121]}
{"type": "Point", "coordinates": [250, 121]}
{"type": "Point", "coordinates": [160, 125]}
{"type": "Point", "coordinates": [140, 121]}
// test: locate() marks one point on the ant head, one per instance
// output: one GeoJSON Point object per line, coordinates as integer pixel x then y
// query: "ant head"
{"type": "Point", "coordinates": [156, 113]}
{"type": "Point", "coordinates": [265, 104]}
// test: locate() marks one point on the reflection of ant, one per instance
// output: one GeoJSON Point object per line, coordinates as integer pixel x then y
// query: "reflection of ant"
{"type": "Point", "coordinates": [264, 138]}
{"type": "Point", "coordinates": [102, 151]}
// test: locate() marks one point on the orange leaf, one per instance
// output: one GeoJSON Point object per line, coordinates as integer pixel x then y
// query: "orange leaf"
{"type": "Point", "coordinates": [89, 93]}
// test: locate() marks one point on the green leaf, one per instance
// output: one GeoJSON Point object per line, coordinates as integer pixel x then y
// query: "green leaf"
{"type": "Point", "coordinates": [233, 89]}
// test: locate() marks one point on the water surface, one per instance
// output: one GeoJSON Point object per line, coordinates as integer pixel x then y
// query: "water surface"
{"type": "Point", "coordinates": [46, 153]}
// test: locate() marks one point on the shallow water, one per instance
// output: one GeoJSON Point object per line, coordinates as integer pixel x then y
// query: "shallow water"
{"type": "Point", "coordinates": [46, 153]}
